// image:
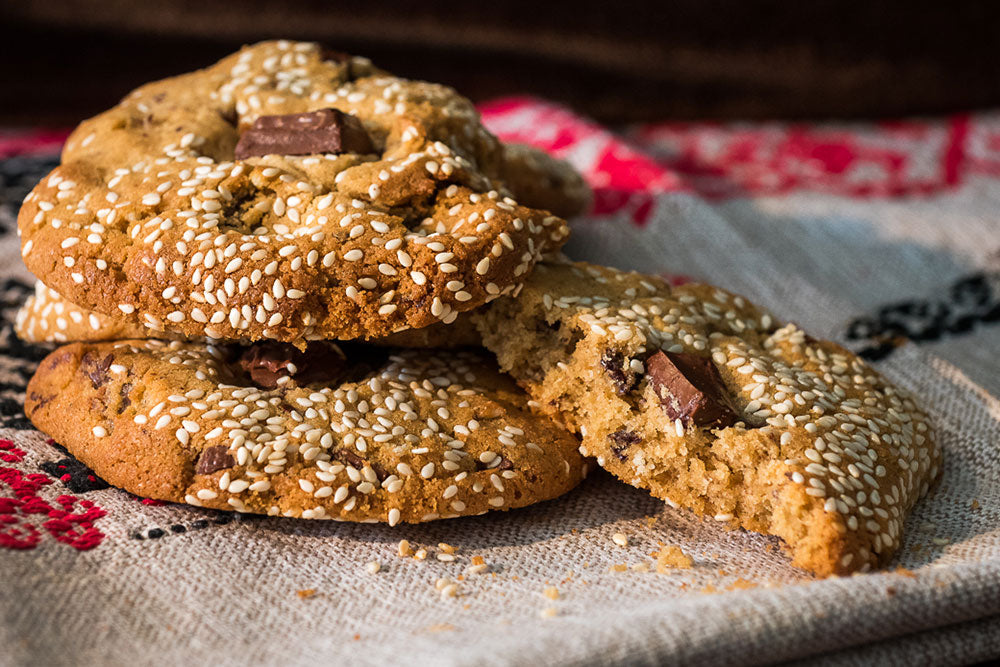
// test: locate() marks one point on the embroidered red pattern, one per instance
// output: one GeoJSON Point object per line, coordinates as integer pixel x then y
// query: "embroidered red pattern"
{"type": "Point", "coordinates": [25, 516]}
{"type": "Point", "coordinates": [712, 160]}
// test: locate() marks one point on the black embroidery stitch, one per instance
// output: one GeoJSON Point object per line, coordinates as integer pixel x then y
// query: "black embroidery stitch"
{"type": "Point", "coordinates": [971, 301]}
{"type": "Point", "coordinates": [77, 477]}
{"type": "Point", "coordinates": [220, 519]}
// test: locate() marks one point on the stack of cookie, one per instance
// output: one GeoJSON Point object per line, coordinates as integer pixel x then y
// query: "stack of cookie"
{"type": "Point", "coordinates": [278, 276]}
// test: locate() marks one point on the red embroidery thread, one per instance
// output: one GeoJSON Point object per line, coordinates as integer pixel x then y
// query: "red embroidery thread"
{"type": "Point", "coordinates": [66, 522]}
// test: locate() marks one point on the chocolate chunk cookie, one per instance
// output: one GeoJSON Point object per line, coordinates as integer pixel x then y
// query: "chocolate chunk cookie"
{"type": "Point", "coordinates": [287, 194]}
{"type": "Point", "coordinates": [46, 317]}
{"type": "Point", "coordinates": [541, 181]}
{"type": "Point", "coordinates": [711, 404]}
{"type": "Point", "coordinates": [354, 434]}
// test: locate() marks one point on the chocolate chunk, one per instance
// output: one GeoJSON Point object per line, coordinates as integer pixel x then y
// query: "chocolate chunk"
{"type": "Point", "coordinates": [690, 389]}
{"type": "Point", "coordinates": [614, 364]}
{"type": "Point", "coordinates": [126, 401]}
{"type": "Point", "coordinates": [334, 55]}
{"type": "Point", "coordinates": [267, 363]}
{"type": "Point", "coordinates": [97, 371]}
{"type": "Point", "coordinates": [323, 131]}
{"type": "Point", "coordinates": [621, 440]}
{"type": "Point", "coordinates": [214, 458]}
{"type": "Point", "coordinates": [351, 458]}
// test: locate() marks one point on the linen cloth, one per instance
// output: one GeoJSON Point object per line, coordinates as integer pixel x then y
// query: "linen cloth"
{"type": "Point", "coordinates": [882, 236]}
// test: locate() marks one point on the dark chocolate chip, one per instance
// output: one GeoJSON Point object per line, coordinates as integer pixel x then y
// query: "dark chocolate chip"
{"type": "Point", "coordinates": [351, 458]}
{"type": "Point", "coordinates": [214, 458]}
{"type": "Point", "coordinates": [267, 363]}
{"type": "Point", "coordinates": [323, 131]}
{"type": "Point", "coordinates": [155, 533]}
{"type": "Point", "coordinates": [97, 371]}
{"type": "Point", "coordinates": [690, 389]}
{"type": "Point", "coordinates": [126, 401]}
{"type": "Point", "coordinates": [178, 528]}
{"type": "Point", "coordinates": [334, 55]}
{"type": "Point", "coordinates": [379, 471]}
{"type": "Point", "coordinates": [614, 365]}
{"type": "Point", "coordinates": [621, 440]}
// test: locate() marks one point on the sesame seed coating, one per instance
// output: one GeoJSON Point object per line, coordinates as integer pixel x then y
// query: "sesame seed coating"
{"type": "Point", "coordinates": [47, 317]}
{"type": "Point", "coordinates": [150, 217]}
{"type": "Point", "coordinates": [400, 440]}
{"type": "Point", "coordinates": [824, 452]}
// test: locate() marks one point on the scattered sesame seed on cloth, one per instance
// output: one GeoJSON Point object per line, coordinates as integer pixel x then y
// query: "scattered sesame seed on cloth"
{"type": "Point", "coordinates": [882, 236]}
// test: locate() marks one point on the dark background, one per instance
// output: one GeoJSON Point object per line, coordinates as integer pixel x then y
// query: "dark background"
{"type": "Point", "coordinates": [618, 61]}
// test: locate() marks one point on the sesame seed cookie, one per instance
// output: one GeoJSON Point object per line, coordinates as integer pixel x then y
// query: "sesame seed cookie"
{"type": "Point", "coordinates": [354, 434]}
{"type": "Point", "coordinates": [47, 317]}
{"type": "Point", "coordinates": [285, 193]}
{"type": "Point", "coordinates": [541, 181]}
{"type": "Point", "coordinates": [711, 404]}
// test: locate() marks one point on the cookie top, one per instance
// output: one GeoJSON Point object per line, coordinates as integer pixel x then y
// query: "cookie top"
{"type": "Point", "coordinates": [355, 433]}
{"type": "Point", "coordinates": [541, 181]}
{"type": "Point", "coordinates": [47, 317]}
{"type": "Point", "coordinates": [284, 193]}
{"type": "Point", "coordinates": [710, 403]}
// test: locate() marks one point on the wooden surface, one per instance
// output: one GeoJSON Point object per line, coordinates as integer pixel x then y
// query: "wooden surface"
{"type": "Point", "coordinates": [619, 62]}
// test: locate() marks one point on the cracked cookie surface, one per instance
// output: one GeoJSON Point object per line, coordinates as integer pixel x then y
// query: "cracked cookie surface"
{"type": "Point", "coordinates": [711, 404]}
{"type": "Point", "coordinates": [354, 433]}
{"type": "Point", "coordinates": [389, 213]}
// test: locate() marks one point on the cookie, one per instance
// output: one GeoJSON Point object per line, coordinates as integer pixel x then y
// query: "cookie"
{"type": "Point", "coordinates": [46, 317]}
{"type": "Point", "coordinates": [355, 433]}
{"type": "Point", "coordinates": [285, 193]}
{"type": "Point", "coordinates": [711, 404]}
{"type": "Point", "coordinates": [541, 181]}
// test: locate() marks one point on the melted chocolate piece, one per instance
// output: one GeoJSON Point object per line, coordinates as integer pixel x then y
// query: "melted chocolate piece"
{"type": "Point", "coordinates": [621, 440]}
{"type": "Point", "coordinates": [334, 55]}
{"type": "Point", "coordinates": [126, 401]}
{"type": "Point", "coordinates": [214, 458]}
{"type": "Point", "coordinates": [351, 458]}
{"type": "Point", "coordinates": [323, 131]}
{"type": "Point", "coordinates": [97, 371]}
{"type": "Point", "coordinates": [267, 363]}
{"type": "Point", "coordinates": [614, 365]}
{"type": "Point", "coordinates": [690, 389]}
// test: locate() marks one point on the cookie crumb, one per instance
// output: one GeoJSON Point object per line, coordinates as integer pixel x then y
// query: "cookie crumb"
{"type": "Point", "coordinates": [446, 557]}
{"type": "Point", "coordinates": [478, 566]}
{"type": "Point", "coordinates": [672, 557]}
{"type": "Point", "coordinates": [447, 548]}
{"type": "Point", "coordinates": [741, 585]}
{"type": "Point", "coordinates": [420, 554]}
{"type": "Point", "coordinates": [404, 549]}
{"type": "Point", "coordinates": [975, 504]}
{"type": "Point", "coordinates": [373, 567]}
{"type": "Point", "coordinates": [441, 627]}
{"type": "Point", "coordinates": [621, 539]}
{"type": "Point", "coordinates": [549, 612]}
{"type": "Point", "coordinates": [619, 567]}
{"type": "Point", "coordinates": [941, 541]}
{"type": "Point", "coordinates": [641, 566]}
{"type": "Point", "coordinates": [551, 592]}
{"type": "Point", "coordinates": [306, 593]}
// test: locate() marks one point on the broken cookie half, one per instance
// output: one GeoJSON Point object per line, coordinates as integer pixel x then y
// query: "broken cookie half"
{"type": "Point", "coordinates": [709, 403]}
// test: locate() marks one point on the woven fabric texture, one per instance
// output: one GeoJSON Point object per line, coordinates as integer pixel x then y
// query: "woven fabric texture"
{"type": "Point", "coordinates": [869, 234]}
